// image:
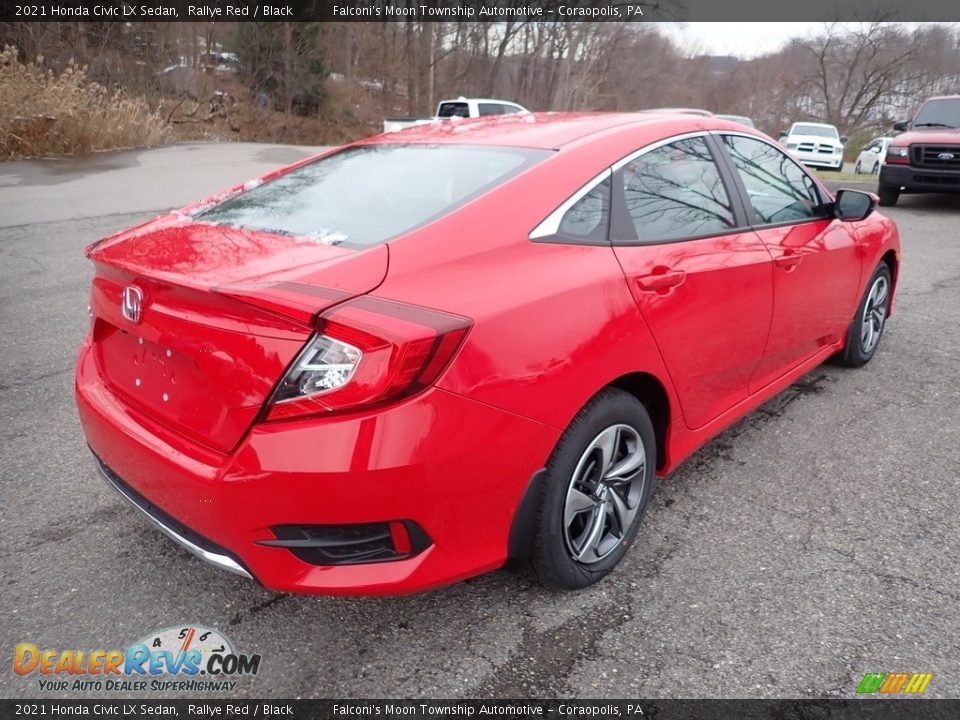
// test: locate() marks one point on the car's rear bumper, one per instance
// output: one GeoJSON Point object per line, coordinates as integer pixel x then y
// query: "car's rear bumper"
{"type": "Point", "coordinates": [912, 179]}
{"type": "Point", "coordinates": [172, 528]}
{"type": "Point", "coordinates": [455, 467]}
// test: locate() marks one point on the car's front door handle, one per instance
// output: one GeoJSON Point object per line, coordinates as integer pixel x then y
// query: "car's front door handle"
{"type": "Point", "coordinates": [789, 259]}
{"type": "Point", "coordinates": [660, 281]}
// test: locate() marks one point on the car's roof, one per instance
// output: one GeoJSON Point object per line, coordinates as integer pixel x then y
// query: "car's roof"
{"type": "Point", "coordinates": [532, 130]}
{"type": "Point", "coordinates": [682, 111]}
{"type": "Point", "coordinates": [943, 97]}
{"type": "Point", "coordinates": [478, 99]}
{"type": "Point", "coordinates": [815, 124]}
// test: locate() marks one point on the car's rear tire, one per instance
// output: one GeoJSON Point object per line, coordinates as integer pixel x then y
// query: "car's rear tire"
{"type": "Point", "coordinates": [876, 168]}
{"type": "Point", "coordinates": [888, 194]}
{"type": "Point", "coordinates": [594, 492]}
{"type": "Point", "coordinates": [863, 336]}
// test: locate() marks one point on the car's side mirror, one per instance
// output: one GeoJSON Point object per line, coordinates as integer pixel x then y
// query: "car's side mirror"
{"type": "Point", "coordinates": [901, 125]}
{"type": "Point", "coordinates": [875, 150]}
{"type": "Point", "coordinates": [853, 205]}
{"type": "Point", "coordinates": [843, 139]}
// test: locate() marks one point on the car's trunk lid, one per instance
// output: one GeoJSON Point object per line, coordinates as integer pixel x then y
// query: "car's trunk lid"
{"type": "Point", "coordinates": [218, 322]}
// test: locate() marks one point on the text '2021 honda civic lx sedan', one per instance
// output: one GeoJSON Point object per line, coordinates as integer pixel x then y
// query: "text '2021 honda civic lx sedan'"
{"type": "Point", "coordinates": [432, 353]}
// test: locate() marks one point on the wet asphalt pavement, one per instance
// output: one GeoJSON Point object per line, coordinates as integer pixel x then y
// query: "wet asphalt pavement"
{"type": "Point", "coordinates": [814, 541]}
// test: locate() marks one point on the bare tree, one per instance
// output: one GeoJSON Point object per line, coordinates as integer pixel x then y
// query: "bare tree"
{"type": "Point", "coordinates": [859, 78]}
{"type": "Point", "coordinates": [853, 72]}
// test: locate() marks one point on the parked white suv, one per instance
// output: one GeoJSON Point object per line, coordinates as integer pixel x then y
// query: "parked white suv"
{"type": "Point", "coordinates": [815, 144]}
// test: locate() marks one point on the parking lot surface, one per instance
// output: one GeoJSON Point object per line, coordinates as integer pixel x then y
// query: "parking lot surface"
{"type": "Point", "coordinates": [812, 542]}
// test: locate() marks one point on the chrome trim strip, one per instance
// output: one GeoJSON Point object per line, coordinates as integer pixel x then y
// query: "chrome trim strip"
{"type": "Point", "coordinates": [221, 561]}
{"type": "Point", "coordinates": [657, 144]}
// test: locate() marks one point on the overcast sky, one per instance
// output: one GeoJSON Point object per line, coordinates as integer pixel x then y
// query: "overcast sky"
{"type": "Point", "coordinates": [743, 39]}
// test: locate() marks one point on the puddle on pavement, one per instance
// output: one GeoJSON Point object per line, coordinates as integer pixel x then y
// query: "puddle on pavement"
{"type": "Point", "coordinates": [57, 170]}
{"type": "Point", "coordinates": [283, 155]}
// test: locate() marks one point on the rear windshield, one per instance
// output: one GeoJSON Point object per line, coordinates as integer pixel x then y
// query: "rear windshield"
{"type": "Point", "coordinates": [817, 130]}
{"type": "Point", "coordinates": [943, 113]}
{"type": "Point", "coordinates": [454, 109]}
{"type": "Point", "coordinates": [364, 196]}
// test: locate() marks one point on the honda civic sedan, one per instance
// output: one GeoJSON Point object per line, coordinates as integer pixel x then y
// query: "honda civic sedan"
{"type": "Point", "coordinates": [434, 353]}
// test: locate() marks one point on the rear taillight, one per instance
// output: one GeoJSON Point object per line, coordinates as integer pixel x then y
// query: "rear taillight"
{"type": "Point", "coordinates": [366, 352]}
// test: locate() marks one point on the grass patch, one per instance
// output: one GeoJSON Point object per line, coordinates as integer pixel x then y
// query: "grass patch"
{"type": "Point", "coordinates": [844, 176]}
{"type": "Point", "coordinates": [42, 113]}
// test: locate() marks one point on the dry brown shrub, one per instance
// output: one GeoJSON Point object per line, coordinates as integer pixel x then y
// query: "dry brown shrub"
{"type": "Point", "coordinates": [42, 113]}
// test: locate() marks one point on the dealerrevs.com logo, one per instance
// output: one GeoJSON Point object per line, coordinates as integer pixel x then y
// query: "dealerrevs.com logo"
{"type": "Point", "coordinates": [188, 658]}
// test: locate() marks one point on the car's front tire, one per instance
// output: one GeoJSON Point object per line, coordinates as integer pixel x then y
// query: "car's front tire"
{"type": "Point", "coordinates": [594, 492]}
{"type": "Point", "coordinates": [888, 194]}
{"type": "Point", "coordinates": [863, 336]}
{"type": "Point", "coordinates": [856, 169]}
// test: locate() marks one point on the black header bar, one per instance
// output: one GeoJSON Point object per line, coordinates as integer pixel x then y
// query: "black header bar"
{"type": "Point", "coordinates": [478, 10]}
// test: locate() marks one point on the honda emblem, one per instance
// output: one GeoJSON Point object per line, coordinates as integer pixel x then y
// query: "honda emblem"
{"type": "Point", "coordinates": [132, 303]}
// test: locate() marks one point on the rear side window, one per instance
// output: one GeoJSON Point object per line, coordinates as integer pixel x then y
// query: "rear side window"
{"type": "Point", "coordinates": [364, 196]}
{"type": "Point", "coordinates": [674, 192]}
{"type": "Point", "coordinates": [490, 109]}
{"type": "Point", "coordinates": [454, 109]}
{"type": "Point", "coordinates": [777, 189]}
{"type": "Point", "coordinates": [583, 219]}
{"type": "Point", "coordinates": [587, 219]}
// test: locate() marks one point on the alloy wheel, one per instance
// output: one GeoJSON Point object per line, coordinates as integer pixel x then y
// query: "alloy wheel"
{"type": "Point", "coordinates": [874, 314]}
{"type": "Point", "coordinates": [604, 494]}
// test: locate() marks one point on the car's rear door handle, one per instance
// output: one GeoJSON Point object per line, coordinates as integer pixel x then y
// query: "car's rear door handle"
{"type": "Point", "coordinates": [789, 259]}
{"type": "Point", "coordinates": [661, 281]}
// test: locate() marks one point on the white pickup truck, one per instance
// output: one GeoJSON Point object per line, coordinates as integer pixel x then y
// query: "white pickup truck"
{"type": "Point", "coordinates": [460, 108]}
{"type": "Point", "coordinates": [815, 145]}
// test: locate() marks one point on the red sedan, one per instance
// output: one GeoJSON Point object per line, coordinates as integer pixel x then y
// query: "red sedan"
{"type": "Point", "coordinates": [433, 353]}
